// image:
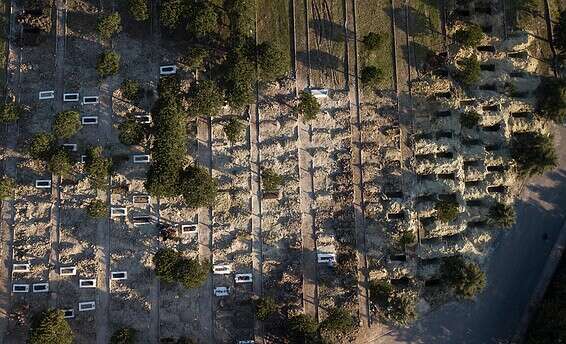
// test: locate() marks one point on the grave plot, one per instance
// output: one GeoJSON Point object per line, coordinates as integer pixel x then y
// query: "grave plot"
{"type": "Point", "coordinates": [231, 241]}
{"type": "Point", "coordinates": [280, 204]}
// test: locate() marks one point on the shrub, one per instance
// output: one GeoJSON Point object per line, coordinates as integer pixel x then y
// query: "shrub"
{"type": "Point", "coordinates": [551, 99]}
{"type": "Point", "coordinates": [272, 62]}
{"type": "Point", "coordinates": [171, 266]}
{"type": "Point", "coordinates": [205, 99]}
{"type": "Point", "coordinates": [195, 57]}
{"type": "Point", "coordinates": [380, 291]}
{"type": "Point", "coordinates": [50, 328]}
{"type": "Point", "coordinates": [203, 20]}
{"type": "Point", "coordinates": [132, 132]}
{"type": "Point", "coordinates": [139, 9]}
{"type": "Point", "coordinates": [198, 187]}
{"type": "Point", "coordinates": [109, 25]}
{"type": "Point", "coordinates": [242, 17]}
{"type": "Point", "coordinates": [60, 163]}
{"type": "Point", "coordinates": [238, 78]}
{"type": "Point", "coordinates": [171, 12]}
{"type": "Point", "coordinates": [264, 308]}
{"type": "Point", "coordinates": [302, 327]}
{"type": "Point", "coordinates": [165, 261]}
{"type": "Point", "coordinates": [446, 211]}
{"type": "Point", "coordinates": [308, 106]}
{"type": "Point", "coordinates": [66, 124]}
{"type": "Point", "coordinates": [108, 64]}
{"type": "Point", "coordinates": [466, 279]}
{"type": "Point", "coordinates": [270, 180]}
{"type": "Point", "coordinates": [502, 215]}
{"type": "Point", "coordinates": [125, 335]}
{"type": "Point", "coordinates": [373, 41]}
{"type": "Point", "coordinates": [470, 119]}
{"type": "Point", "coordinates": [469, 36]}
{"type": "Point", "coordinates": [97, 209]}
{"type": "Point", "coordinates": [10, 112]}
{"type": "Point", "coordinates": [371, 76]}
{"type": "Point", "coordinates": [233, 129]}
{"type": "Point", "coordinates": [41, 146]}
{"type": "Point", "coordinates": [407, 238]}
{"type": "Point", "coordinates": [98, 167]}
{"type": "Point", "coordinates": [470, 71]}
{"type": "Point", "coordinates": [534, 153]}
{"type": "Point", "coordinates": [131, 90]}
{"type": "Point", "coordinates": [7, 187]}
{"type": "Point", "coordinates": [339, 321]}
{"type": "Point", "coordinates": [403, 308]}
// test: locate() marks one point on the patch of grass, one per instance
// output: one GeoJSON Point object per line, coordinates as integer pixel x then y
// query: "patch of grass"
{"type": "Point", "coordinates": [273, 25]}
{"type": "Point", "coordinates": [426, 29]}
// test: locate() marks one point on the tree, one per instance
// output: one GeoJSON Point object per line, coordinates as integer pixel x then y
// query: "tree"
{"type": "Point", "coordinates": [109, 25]}
{"type": "Point", "coordinates": [551, 99]}
{"type": "Point", "coordinates": [302, 327]}
{"type": "Point", "coordinates": [198, 187]}
{"type": "Point", "coordinates": [502, 215]}
{"type": "Point", "coordinates": [560, 32]}
{"type": "Point", "coordinates": [469, 36]}
{"type": "Point", "coordinates": [10, 112]}
{"type": "Point", "coordinates": [66, 124]}
{"type": "Point", "coordinates": [195, 57]}
{"type": "Point", "coordinates": [60, 163]}
{"type": "Point", "coordinates": [205, 98]}
{"type": "Point", "coordinates": [131, 90]}
{"type": "Point", "coordinates": [270, 180]}
{"type": "Point", "coordinates": [446, 211]}
{"type": "Point", "coordinates": [371, 76]}
{"type": "Point", "coordinates": [203, 20]}
{"type": "Point", "coordinates": [470, 119]}
{"type": "Point", "coordinates": [308, 106]}
{"type": "Point", "coordinates": [41, 146]}
{"type": "Point", "coordinates": [272, 62]}
{"type": "Point", "coordinates": [373, 41]}
{"type": "Point", "coordinates": [165, 261]}
{"type": "Point", "coordinates": [171, 12]}
{"type": "Point", "coordinates": [470, 71]}
{"type": "Point", "coordinates": [265, 307]}
{"type": "Point", "coordinates": [534, 153]}
{"type": "Point", "coordinates": [242, 17]}
{"type": "Point", "coordinates": [97, 209]}
{"type": "Point", "coordinates": [98, 167]}
{"type": "Point", "coordinates": [7, 187]}
{"type": "Point", "coordinates": [191, 273]}
{"type": "Point", "coordinates": [233, 129]}
{"type": "Point", "coordinates": [339, 321]}
{"type": "Point", "coordinates": [108, 64]}
{"type": "Point", "coordinates": [466, 279]}
{"type": "Point", "coordinates": [238, 78]}
{"type": "Point", "coordinates": [380, 291]}
{"type": "Point", "coordinates": [50, 328]}
{"type": "Point", "coordinates": [132, 132]}
{"type": "Point", "coordinates": [125, 335]}
{"type": "Point", "coordinates": [138, 9]}
{"type": "Point", "coordinates": [407, 238]}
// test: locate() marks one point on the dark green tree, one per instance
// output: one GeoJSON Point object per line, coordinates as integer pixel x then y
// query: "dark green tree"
{"type": "Point", "coordinates": [132, 132]}
{"type": "Point", "coordinates": [203, 20]}
{"type": "Point", "coordinates": [234, 129]}
{"type": "Point", "coordinates": [303, 328]}
{"type": "Point", "coordinates": [109, 25]}
{"type": "Point", "coordinates": [373, 41]}
{"type": "Point", "coordinates": [466, 279]}
{"type": "Point", "coordinates": [470, 36]}
{"type": "Point", "coordinates": [502, 215]}
{"type": "Point", "coordinates": [446, 211]}
{"type": "Point", "coordinates": [171, 12]}
{"type": "Point", "coordinates": [242, 17]}
{"type": "Point", "coordinates": [551, 99]}
{"type": "Point", "coordinates": [97, 209]}
{"type": "Point", "coordinates": [371, 76]}
{"type": "Point", "coordinates": [271, 181]}
{"type": "Point", "coordinates": [534, 153]}
{"type": "Point", "coordinates": [196, 57]}
{"type": "Point", "coordinates": [10, 112]}
{"type": "Point", "coordinates": [125, 335]}
{"type": "Point", "coordinates": [66, 124]}
{"type": "Point", "coordinates": [108, 64]}
{"type": "Point", "coordinates": [205, 99]}
{"type": "Point", "coordinates": [60, 163]}
{"type": "Point", "coordinates": [131, 90]}
{"type": "Point", "coordinates": [7, 187]}
{"type": "Point", "coordinates": [138, 9]}
{"type": "Point", "coordinates": [339, 321]}
{"type": "Point", "coordinates": [264, 308]}
{"type": "Point", "coordinates": [470, 119]}
{"type": "Point", "coordinates": [98, 167]}
{"type": "Point", "coordinates": [50, 328]}
{"type": "Point", "coordinates": [165, 261]}
{"type": "Point", "coordinates": [191, 273]}
{"type": "Point", "coordinates": [198, 187]}
{"type": "Point", "coordinates": [238, 79]}
{"type": "Point", "coordinates": [470, 71]}
{"type": "Point", "coordinates": [272, 62]}
{"type": "Point", "coordinates": [308, 106]}
{"type": "Point", "coordinates": [41, 146]}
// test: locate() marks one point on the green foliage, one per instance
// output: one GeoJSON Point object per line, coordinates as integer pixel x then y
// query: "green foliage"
{"type": "Point", "coordinates": [234, 129]}
{"type": "Point", "coordinates": [7, 187]}
{"type": "Point", "coordinates": [302, 327]}
{"type": "Point", "coordinates": [203, 20]}
{"type": "Point", "coordinates": [272, 62]}
{"type": "Point", "coordinates": [131, 90]}
{"type": "Point", "coordinates": [373, 41]}
{"type": "Point", "coordinates": [406, 239]}
{"type": "Point", "coordinates": [398, 306]}
{"type": "Point", "coordinates": [502, 215]}
{"type": "Point", "coordinates": [339, 321]}
{"type": "Point", "coordinates": [470, 71]}
{"type": "Point", "coordinates": [242, 17]}
{"type": "Point", "coordinates": [380, 291]}
{"type": "Point", "coordinates": [169, 89]}
{"type": "Point", "coordinates": [446, 211]}
{"type": "Point", "coordinates": [195, 57]}
{"type": "Point", "coordinates": [238, 78]}
{"type": "Point", "coordinates": [470, 119]}
{"type": "Point", "coordinates": [470, 36]}
{"type": "Point", "coordinates": [109, 25]}
{"type": "Point", "coordinates": [466, 279]}
{"type": "Point", "coordinates": [60, 163]}
{"type": "Point", "coordinates": [198, 187]}
{"type": "Point", "coordinates": [551, 99]}
{"type": "Point", "coordinates": [97, 209]}
{"type": "Point", "coordinates": [66, 124]}
{"type": "Point", "coordinates": [271, 181]}
{"type": "Point", "coordinates": [138, 9]}
{"type": "Point", "coordinates": [560, 32]}
{"type": "Point", "coordinates": [41, 146]}
{"type": "Point", "coordinates": [108, 64]}
{"type": "Point", "coordinates": [308, 106]}
{"type": "Point", "coordinates": [165, 261]}
{"type": "Point", "coordinates": [10, 112]}
{"type": "Point", "coordinates": [171, 12]}
{"type": "Point", "coordinates": [205, 99]}
{"type": "Point", "coordinates": [371, 76]}
{"type": "Point", "coordinates": [50, 328]}
{"type": "Point", "coordinates": [264, 308]}
{"type": "Point", "coordinates": [98, 167]}
{"type": "Point", "coordinates": [534, 153]}
{"type": "Point", "coordinates": [132, 132]}
{"type": "Point", "coordinates": [125, 335]}
{"type": "Point", "coordinates": [171, 266]}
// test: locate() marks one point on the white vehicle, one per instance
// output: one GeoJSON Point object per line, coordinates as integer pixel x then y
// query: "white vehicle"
{"type": "Point", "coordinates": [68, 271]}
{"type": "Point", "coordinates": [221, 291]}
{"type": "Point", "coordinates": [71, 147]}
{"type": "Point", "coordinates": [118, 212]}
{"type": "Point", "coordinates": [87, 283]}
{"type": "Point", "coordinates": [246, 341]}
{"type": "Point", "coordinates": [20, 288]}
{"type": "Point", "coordinates": [40, 287]}
{"type": "Point", "coordinates": [46, 95]}
{"type": "Point", "coordinates": [43, 184]}
{"type": "Point", "coordinates": [23, 267]}
{"type": "Point", "coordinates": [222, 269]}
{"type": "Point", "coordinates": [86, 306]}
{"type": "Point", "coordinates": [141, 159]}
{"type": "Point", "coordinates": [143, 119]}
{"type": "Point", "coordinates": [90, 100]}
{"type": "Point", "coordinates": [119, 275]}
{"type": "Point", "coordinates": [71, 97]}
{"type": "Point", "coordinates": [167, 70]}
{"type": "Point", "coordinates": [326, 258]}
{"type": "Point", "coordinates": [189, 229]}
{"type": "Point", "coordinates": [319, 93]}
{"type": "Point", "coordinates": [89, 120]}
{"type": "Point", "coordinates": [243, 278]}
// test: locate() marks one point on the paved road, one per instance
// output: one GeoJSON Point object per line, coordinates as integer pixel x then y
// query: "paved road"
{"type": "Point", "coordinates": [513, 271]}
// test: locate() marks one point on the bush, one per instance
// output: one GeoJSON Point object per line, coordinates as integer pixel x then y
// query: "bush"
{"type": "Point", "coordinates": [195, 57]}
{"type": "Point", "coordinates": [339, 321]}
{"type": "Point", "coordinates": [125, 335]}
{"type": "Point", "coordinates": [97, 209]}
{"type": "Point", "coordinates": [551, 99]}
{"type": "Point", "coordinates": [270, 180]}
{"type": "Point", "coordinates": [132, 132]}
{"type": "Point", "coordinates": [446, 211]}
{"type": "Point", "coordinates": [41, 146]}
{"type": "Point", "coordinates": [171, 12]}
{"type": "Point", "coordinates": [238, 78]}
{"type": "Point", "coordinates": [380, 291]}
{"type": "Point", "coordinates": [233, 129]}
{"type": "Point", "coordinates": [373, 41]}
{"type": "Point", "coordinates": [50, 328]}
{"type": "Point", "coordinates": [139, 9]}
{"type": "Point", "coordinates": [7, 187]}
{"type": "Point", "coordinates": [308, 106]}
{"type": "Point", "coordinates": [403, 308]}
{"type": "Point", "coordinates": [469, 72]}
{"type": "Point", "coordinates": [406, 239]}
{"type": "Point", "coordinates": [165, 261]}
{"type": "Point", "coordinates": [10, 112]}
{"type": "Point", "coordinates": [242, 17]}
{"type": "Point", "coordinates": [466, 279]}
{"type": "Point", "coordinates": [131, 90]}
{"type": "Point", "coordinates": [203, 20]}
{"type": "Point", "coordinates": [198, 187]}
{"type": "Point", "coordinates": [534, 153]}
{"type": "Point", "coordinates": [109, 25]}
{"type": "Point", "coordinates": [60, 163]}
{"type": "Point", "coordinates": [205, 99]}
{"type": "Point", "coordinates": [108, 64]}
{"type": "Point", "coordinates": [470, 119]}
{"type": "Point", "coordinates": [272, 62]}
{"type": "Point", "coordinates": [171, 266]}
{"type": "Point", "coordinates": [502, 215]}
{"type": "Point", "coordinates": [264, 308]}
{"type": "Point", "coordinates": [66, 124]}
{"type": "Point", "coordinates": [302, 327]}
{"type": "Point", "coordinates": [560, 32]}
{"type": "Point", "coordinates": [471, 36]}
{"type": "Point", "coordinates": [98, 167]}
{"type": "Point", "coordinates": [371, 76]}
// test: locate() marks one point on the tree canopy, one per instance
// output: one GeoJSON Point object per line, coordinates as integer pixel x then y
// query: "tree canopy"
{"type": "Point", "coordinates": [125, 335]}
{"type": "Point", "coordinates": [171, 12]}
{"type": "Point", "coordinates": [272, 62]}
{"type": "Point", "coordinates": [60, 163]}
{"type": "Point", "coordinates": [470, 119]}
{"type": "Point", "coordinates": [171, 266]}
{"type": "Point", "coordinates": [66, 124]}
{"type": "Point", "coordinates": [271, 181]}
{"type": "Point", "coordinates": [138, 9]}
{"type": "Point", "coordinates": [339, 321]}
{"type": "Point", "coordinates": [502, 215]}
{"type": "Point", "coordinates": [308, 106]}
{"type": "Point", "coordinates": [446, 211]}
{"type": "Point", "coordinates": [371, 76]}
{"type": "Point", "coordinates": [396, 305]}
{"type": "Point", "coordinates": [50, 327]}
{"type": "Point", "coordinates": [238, 75]}
{"type": "Point", "coordinates": [203, 20]}
{"type": "Point", "coordinates": [469, 36]}
{"type": "Point", "coordinates": [41, 146]}
{"type": "Point", "coordinates": [551, 99]}
{"type": "Point", "coordinates": [533, 152]}
{"type": "Point", "coordinates": [109, 25]}
{"type": "Point", "coordinates": [195, 57]}
{"type": "Point", "coordinates": [205, 99]}
{"type": "Point", "coordinates": [465, 278]}
{"type": "Point", "coordinates": [264, 308]}
{"type": "Point", "coordinates": [7, 187]}
{"type": "Point", "coordinates": [131, 90]}
{"type": "Point", "coordinates": [560, 32]}
{"type": "Point", "coordinates": [97, 209]}
{"type": "Point", "coordinates": [98, 167]}
{"type": "Point", "coordinates": [234, 129]}
{"type": "Point", "coordinates": [10, 112]}
{"type": "Point", "coordinates": [302, 327]}
{"type": "Point", "coordinates": [108, 64]}
{"type": "Point", "coordinates": [372, 41]}
{"type": "Point", "coordinates": [198, 187]}
{"type": "Point", "coordinates": [470, 71]}
{"type": "Point", "coordinates": [132, 132]}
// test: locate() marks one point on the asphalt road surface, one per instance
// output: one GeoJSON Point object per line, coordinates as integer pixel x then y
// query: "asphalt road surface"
{"type": "Point", "coordinates": [513, 270]}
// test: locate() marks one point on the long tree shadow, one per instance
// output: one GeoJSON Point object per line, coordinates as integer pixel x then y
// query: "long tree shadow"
{"type": "Point", "coordinates": [331, 31]}
{"type": "Point", "coordinates": [320, 60]}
